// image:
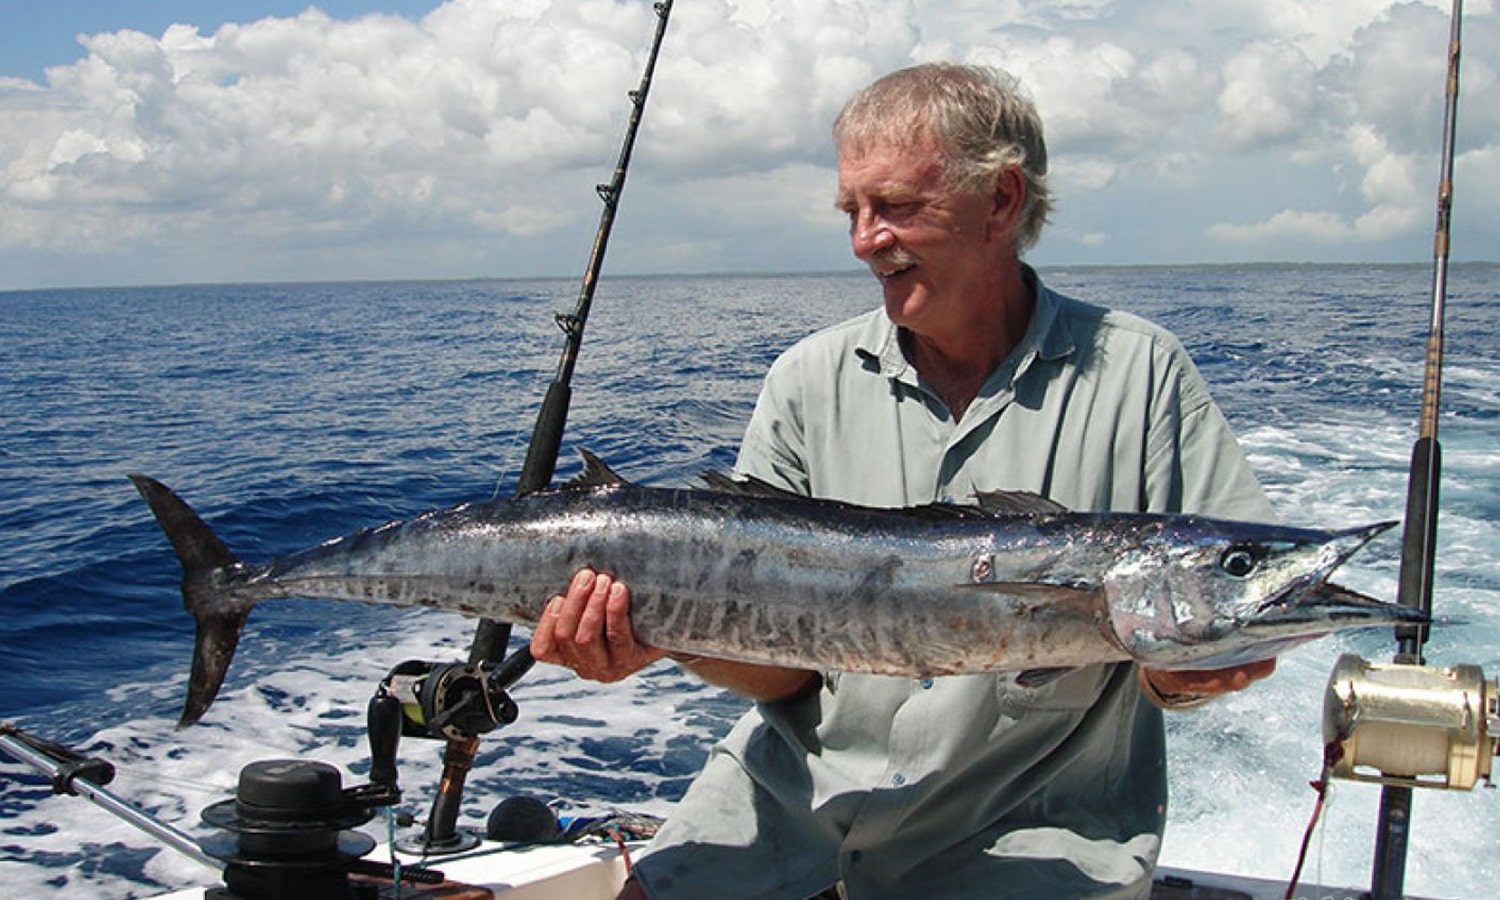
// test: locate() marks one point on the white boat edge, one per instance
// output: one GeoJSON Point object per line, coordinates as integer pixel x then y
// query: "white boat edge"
{"type": "Point", "coordinates": [581, 871]}
{"type": "Point", "coordinates": [595, 871]}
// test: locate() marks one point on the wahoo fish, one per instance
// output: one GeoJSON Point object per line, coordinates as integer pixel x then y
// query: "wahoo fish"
{"type": "Point", "coordinates": [745, 571]}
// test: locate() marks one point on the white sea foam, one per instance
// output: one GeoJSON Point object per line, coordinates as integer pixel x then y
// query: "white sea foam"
{"type": "Point", "coordinates": [1328, 423]}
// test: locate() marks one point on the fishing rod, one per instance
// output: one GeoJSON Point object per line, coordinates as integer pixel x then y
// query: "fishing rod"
{"type": "Point", "coordinates": [85, 776]}
{"type": "Point", "coordinates": [491, 638]}
{"type": "Point", "coordinates": [284, 836]}
{"type": "Point", "coordinates": [1419, 540]}
{"type": "Point", "coordinates": [1405, 724]}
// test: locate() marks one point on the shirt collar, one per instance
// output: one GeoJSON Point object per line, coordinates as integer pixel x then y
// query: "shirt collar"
{"type": "Point", "coordinates": [1046, 338]}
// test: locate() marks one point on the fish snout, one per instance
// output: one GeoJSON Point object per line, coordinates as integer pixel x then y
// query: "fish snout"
{"type": "Point", "coordinates": [1312, 599]}
{"type": "Point", "coordinates": [1344, 544]}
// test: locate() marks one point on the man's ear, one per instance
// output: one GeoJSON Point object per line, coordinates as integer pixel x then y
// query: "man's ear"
{"type": "Point", "coordinates": [1008, 198]}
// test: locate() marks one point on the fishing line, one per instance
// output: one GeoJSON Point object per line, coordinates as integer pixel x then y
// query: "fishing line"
{"type": "Point", "coordinates": [1332, 753]}
{"type": "Point", "coordinates": [203, 787]}
{"type": "Point", "coordinates": [510, 454]}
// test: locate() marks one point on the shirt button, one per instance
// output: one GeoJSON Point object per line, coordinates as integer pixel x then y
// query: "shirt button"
{"type": "Point", "coordinates": [926, 684]}
{"type": "Point", "coordinates": [898, 779]}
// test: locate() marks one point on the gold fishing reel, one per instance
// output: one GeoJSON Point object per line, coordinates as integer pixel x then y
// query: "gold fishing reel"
{"type": "Point", "coordinates": [1417, 726]}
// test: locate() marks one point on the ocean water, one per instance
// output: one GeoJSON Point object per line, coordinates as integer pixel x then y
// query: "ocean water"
{"type": "Point", "coordinates": [292, 413]}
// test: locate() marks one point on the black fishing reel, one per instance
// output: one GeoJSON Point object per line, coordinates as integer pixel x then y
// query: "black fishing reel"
{"type": "Point", "coordinates": [288, 834]}
{"type": "Point", "coordinates": [453, 701]}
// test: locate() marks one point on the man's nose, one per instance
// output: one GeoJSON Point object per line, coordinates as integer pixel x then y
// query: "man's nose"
{"type": "Point", "coordinates": [869, 235]}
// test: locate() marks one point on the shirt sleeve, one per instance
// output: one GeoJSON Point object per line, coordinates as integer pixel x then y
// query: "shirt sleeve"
{"type": "Point", "coordinates": [1194, 463]}
{"type": "Point", "coordinates": [774, 448]}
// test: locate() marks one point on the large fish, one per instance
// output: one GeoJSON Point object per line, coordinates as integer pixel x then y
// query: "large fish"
{"type": "Point", "coordinates": [748, 572]}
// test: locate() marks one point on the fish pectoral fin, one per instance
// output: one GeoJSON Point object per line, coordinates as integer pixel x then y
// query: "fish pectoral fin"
{"type": "Point", "coordinates": [1034, 590]}
{"type": "Point", "coordinates": [1035, 678]}
{"type": "Point", "coordinates": [1018, 503]}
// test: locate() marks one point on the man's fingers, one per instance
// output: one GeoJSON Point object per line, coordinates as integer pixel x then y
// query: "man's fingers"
{"type": "Point", "coordinates": [593, 619]}
{"type": "Point", "coordinates": [571, 610]}
{"type": "Point", "coordinates": [555, 636]}
{"type": "Point", "coordinates": [1210, 682]}
{"type": "Point", "coordinates": [588, 630]}
{"type": "Point", "coordinates": [617, 626]}
{"type": "Point", "coordinates": [544, 636]}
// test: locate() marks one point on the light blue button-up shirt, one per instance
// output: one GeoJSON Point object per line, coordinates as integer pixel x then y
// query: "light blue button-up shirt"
{"type": "Point", "coordinates": [964, 786]}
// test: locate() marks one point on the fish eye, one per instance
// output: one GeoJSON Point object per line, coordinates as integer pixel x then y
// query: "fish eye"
{"type": "Point", "coordinates": [1237, 561]}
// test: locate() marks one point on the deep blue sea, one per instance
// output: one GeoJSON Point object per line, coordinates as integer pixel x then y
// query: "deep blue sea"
{"type": "Point", "coordinates": [291, 413]}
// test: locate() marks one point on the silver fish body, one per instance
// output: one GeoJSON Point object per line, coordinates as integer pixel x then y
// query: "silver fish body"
{"type": "Point", "coordinates": [752, 574]}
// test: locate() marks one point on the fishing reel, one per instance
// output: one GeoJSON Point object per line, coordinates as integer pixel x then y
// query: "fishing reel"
{"type": "Point", "coordinates": [1409, 725]}
{"type": "Point", "coordinates": [453, 701]}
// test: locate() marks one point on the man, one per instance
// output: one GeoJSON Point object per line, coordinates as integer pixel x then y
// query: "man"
{"type": "Point", "coordinates": [973, 377]}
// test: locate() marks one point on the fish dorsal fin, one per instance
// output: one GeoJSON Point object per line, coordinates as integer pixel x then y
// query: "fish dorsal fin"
{"type": "Point", "coordinates": [1017, 503]}
{"type": "Point", "coordinates": [595, 474]}
{"type": "Point", "coordinates": [746, 486]}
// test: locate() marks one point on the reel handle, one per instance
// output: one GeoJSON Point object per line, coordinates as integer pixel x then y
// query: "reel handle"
{"type": "Point", "coordinates": [383, 719]}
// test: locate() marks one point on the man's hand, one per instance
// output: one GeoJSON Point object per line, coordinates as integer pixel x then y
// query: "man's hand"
{"type": "Point", "coordinates": [1183, 688]}
{"type": "Point", "coordinates": [588, 630]}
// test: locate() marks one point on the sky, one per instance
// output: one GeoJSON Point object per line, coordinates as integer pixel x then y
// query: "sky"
{"type": "Point", "coordinates": [168, 141]}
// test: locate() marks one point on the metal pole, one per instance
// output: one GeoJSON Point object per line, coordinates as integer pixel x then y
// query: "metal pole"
{"type": "Point", "coordinates": [491, 638]}
{"type": "Point", "coordinates": [1419, 541]}
{"type": "Point", "coordinates": [180, 841]}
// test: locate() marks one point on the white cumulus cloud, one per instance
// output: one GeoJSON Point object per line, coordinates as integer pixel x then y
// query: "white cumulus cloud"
{"type": "Point", "coordinates": [1288, 223]}
{"type": "Point", "coordinates": [468, 141]}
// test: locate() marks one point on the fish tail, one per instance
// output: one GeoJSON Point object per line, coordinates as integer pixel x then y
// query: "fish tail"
{"type": "Point", "coordinates": [218, 615]}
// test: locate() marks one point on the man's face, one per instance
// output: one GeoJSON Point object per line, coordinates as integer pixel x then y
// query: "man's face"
{"type": "Point", "coordinates": [935, 250]}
